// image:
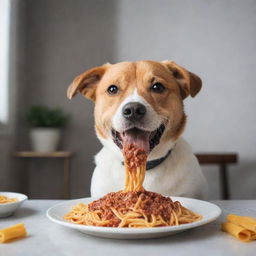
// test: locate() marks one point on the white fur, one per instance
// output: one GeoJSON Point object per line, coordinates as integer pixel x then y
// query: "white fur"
{"type": "Point", "coordinates": [179, 175]}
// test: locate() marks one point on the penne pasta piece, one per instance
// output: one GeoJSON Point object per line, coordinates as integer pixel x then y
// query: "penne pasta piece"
{"type": "Point", "coordinates": [244, 221]}
{"type": "Point", "coordinates": [237, 231]}
{"type": "Point", "coordinates": [16, 231]}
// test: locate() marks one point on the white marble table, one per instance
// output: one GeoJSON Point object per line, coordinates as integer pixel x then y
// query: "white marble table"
{"type": "Point", "coordinates": [48, 238]}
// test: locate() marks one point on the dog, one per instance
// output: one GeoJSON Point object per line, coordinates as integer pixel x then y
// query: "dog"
{"type": "Point", "coordinates": [143, 102]}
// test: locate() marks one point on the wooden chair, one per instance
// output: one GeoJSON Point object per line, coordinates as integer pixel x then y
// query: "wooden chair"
{"type": "Point", "coordinates": [222, 160]}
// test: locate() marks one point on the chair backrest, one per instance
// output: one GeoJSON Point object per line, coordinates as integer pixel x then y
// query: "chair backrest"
{"type": "Point", "coordinates": [217, 158]}
{"type": "Point", "coordinates": [222, 160]}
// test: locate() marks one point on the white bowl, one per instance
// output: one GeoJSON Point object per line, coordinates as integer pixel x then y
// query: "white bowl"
{"type": "Point", "coordinates": [9, 208]}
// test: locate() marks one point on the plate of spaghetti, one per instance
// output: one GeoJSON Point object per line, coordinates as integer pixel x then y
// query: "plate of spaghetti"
{"type": "Point", "coordinates": [133, 212]}
{"type": "Point", "coordinates": [9, 202]}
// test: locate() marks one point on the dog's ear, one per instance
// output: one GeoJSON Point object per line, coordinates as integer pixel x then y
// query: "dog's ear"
{"type": "Point", "coordinates": [86, 83]}
{"type": "Point", "coordinates": [190, 84]}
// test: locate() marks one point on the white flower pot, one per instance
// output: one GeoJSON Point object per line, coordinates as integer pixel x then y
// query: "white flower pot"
{"type": "Point", "coordinates": [44, 139]}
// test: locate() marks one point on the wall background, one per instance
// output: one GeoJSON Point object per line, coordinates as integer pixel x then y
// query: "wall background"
{"type": "Point", "coordinates": [60, 39]}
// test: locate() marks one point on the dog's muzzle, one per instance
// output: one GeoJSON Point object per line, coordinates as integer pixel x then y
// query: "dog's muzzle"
{"type": "Point", "coordinates": [134, 111]}
{"type": "Point", "coordinates": [136, 128]}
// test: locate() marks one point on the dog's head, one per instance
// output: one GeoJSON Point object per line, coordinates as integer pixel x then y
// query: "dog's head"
{"type": "Point", "coordinates": [139, 102]}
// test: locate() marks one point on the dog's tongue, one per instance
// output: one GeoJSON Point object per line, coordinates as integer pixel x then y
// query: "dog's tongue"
{"type": "Point", "coordinates": [136, 137]}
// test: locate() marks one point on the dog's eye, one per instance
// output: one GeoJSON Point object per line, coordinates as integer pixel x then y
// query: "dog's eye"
{"type": "Point", "coordinates": [112, 89]}
{"type": "Point", "coordinates": [157, 87]}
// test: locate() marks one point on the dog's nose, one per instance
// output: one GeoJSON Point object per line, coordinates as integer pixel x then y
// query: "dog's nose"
{"type": "Point", "coordinates": [134, 111]}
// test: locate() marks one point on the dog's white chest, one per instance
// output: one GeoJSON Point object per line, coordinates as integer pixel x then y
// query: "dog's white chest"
{"type": "Point", "coordinates": [178, 175]}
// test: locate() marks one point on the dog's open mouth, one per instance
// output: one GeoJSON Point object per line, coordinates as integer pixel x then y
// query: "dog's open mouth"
{"type": "Point", "coordinates": [142, 139]}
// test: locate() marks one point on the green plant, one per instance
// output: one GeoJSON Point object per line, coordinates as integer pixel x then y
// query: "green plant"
{"type": "Point", "coordinates": [42, 116]}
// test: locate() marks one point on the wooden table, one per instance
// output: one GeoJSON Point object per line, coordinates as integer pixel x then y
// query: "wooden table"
{"type": "Point", "coordinates": [48, 238]}
{"type": "Point", "coordinates": [65, 155]}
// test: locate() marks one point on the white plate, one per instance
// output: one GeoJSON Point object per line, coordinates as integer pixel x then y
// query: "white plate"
{"type": "Point", "coordinates": [9, 208]}
{"type": "Point", "coordinates": [209, 211]}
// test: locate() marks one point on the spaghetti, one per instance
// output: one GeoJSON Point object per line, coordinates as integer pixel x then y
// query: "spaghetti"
{"type": "Point", "coordinates": [6, 200]}
{"type": "Point", "coordinates": [135, 168]}
{"type": "Point", "coordinates": [134, 207]}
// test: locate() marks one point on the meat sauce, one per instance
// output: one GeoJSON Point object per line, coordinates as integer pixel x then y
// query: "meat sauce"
{"type": "Point", "coordinates": [152, 203]}
{"type": "Point", "coordinates": [134, 157]}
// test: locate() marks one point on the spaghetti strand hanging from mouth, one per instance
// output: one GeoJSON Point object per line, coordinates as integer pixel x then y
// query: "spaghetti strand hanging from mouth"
{"type": "Point", "coordinates": [135, 168]}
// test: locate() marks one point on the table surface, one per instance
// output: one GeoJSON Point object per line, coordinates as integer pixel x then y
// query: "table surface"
{"type": "Point", "coordinates": [47, 238]}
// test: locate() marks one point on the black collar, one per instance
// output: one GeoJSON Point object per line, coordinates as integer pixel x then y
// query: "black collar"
{"type": "Point", "coordinates": [154, 163]}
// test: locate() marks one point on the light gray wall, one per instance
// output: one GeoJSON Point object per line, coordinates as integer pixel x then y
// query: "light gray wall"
{"type": "Point", "coordinates": [216, 40]}
{"type": "Point", "coordinates": [62, 38]}
{"type": "Point", "coordinates": [65, 39]}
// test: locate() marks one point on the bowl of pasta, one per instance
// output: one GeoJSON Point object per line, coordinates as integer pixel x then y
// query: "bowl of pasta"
{"type": "Point", "coordinates": [10, 202]}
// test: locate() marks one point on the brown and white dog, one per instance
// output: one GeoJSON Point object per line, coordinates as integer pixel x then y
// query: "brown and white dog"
{"type": "Point", "coordinates": [142, 102]}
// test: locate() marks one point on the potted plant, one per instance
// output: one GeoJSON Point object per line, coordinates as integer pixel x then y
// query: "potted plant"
{"type": "Point", "coordinates": [45, 125]}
